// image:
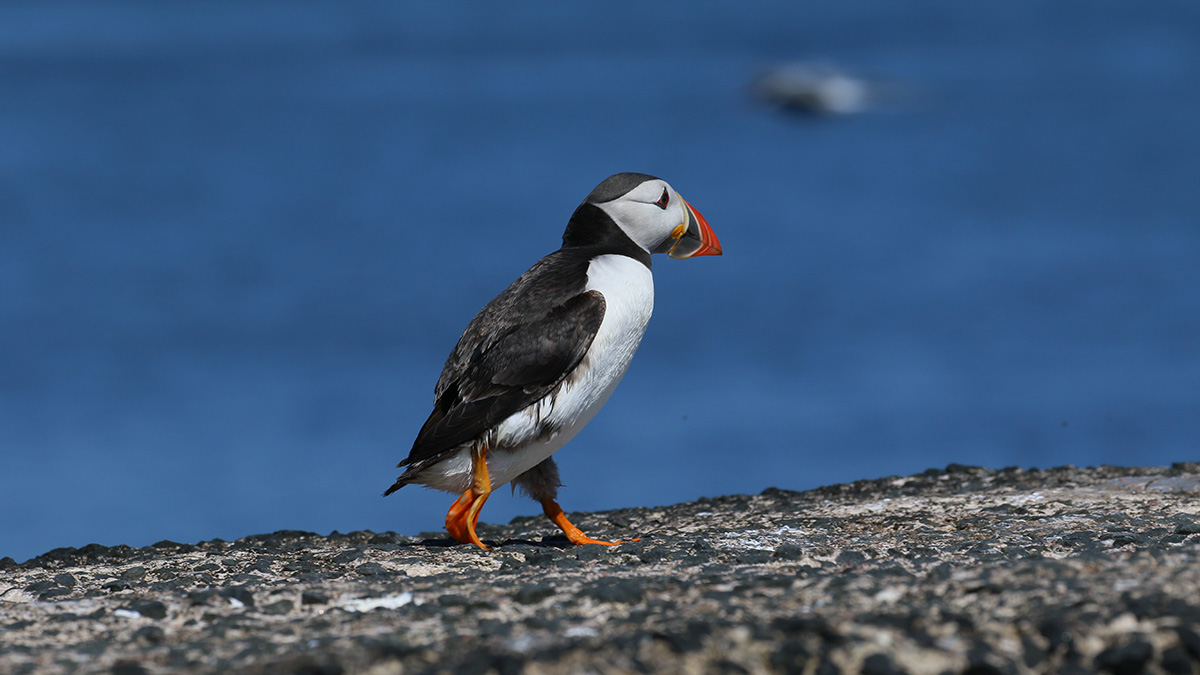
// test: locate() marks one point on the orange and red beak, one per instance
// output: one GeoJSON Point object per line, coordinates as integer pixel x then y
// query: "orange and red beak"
{"type": "Point", "coordinates": [697, 239]}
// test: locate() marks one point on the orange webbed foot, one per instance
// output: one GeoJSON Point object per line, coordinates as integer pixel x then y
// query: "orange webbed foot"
{"type": "Point", "coordinates": [576, 536]}
{"type": "Point", "coordinates": [464, 512]}
{"type": "Point", "coordinates": [456, 518]}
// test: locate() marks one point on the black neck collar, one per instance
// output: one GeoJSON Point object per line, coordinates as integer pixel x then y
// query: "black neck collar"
{"type": "Point", "coordinates": [590, 227]}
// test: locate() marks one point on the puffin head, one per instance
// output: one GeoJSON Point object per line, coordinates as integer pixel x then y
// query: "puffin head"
{"type": "Point", "coordinates": [650, 213]}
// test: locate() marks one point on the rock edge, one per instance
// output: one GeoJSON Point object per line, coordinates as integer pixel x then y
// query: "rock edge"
{"type": "Point", "coordinates": [959, 569]}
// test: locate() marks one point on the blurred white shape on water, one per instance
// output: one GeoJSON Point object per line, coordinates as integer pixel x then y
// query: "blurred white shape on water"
{"type": "Point", "coordinates": [819, 88]}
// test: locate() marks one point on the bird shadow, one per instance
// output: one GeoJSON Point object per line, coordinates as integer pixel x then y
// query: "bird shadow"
{"type": "Point", "coordinates": [557, 542]}
{"type": "Point", "coordinates": [552, 541]}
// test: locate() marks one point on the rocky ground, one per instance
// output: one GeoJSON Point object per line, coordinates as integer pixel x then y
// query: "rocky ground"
{"type": "Point", "coordinates": [954, 570]}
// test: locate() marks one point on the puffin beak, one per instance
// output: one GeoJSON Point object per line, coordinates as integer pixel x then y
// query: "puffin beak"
{"type": "Point", "coordinates": [697, 237]}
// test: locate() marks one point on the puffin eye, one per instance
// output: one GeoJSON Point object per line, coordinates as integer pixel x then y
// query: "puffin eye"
{"type": "Point", "coordinates": [663, 200]}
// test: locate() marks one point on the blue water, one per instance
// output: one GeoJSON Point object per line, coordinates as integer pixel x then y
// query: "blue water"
{"type": "Point", "coordinates": [238, 240]}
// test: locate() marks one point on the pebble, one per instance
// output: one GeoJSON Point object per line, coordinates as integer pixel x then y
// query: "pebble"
{"type": "Point", "coordinates": [533, 593]}
{"type": "Point", "coordinates": [279, 607]}
{"type": "Point", "coordinates": [66, 580]}
{"type": "Point", "coordinates": [151, 609]}
{"type": "Point", "coordinates": [616, 590]}
{"type": "Point", "coordinates": [136, 573]}
{"type": "Point", "coordinates": [239, 595]}
{"type": "Point", "coordinates": [372, 569]}
{"type": "Point", "coordinates": [313, 597]}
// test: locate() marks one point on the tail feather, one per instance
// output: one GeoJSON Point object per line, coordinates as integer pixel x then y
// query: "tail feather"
{"type": "Point", "coordinates": [403, 480]}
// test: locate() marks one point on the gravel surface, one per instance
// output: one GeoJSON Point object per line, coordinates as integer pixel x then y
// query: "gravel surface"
{"type": "Point", "coordinates": [954, 570]}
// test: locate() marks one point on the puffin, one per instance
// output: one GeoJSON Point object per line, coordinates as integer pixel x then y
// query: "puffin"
{"type": "Point", "coordinates": [538, 362]}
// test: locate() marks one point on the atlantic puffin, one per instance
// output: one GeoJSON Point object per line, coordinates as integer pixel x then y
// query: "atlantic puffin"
{"type": "Point", "coordinates": [538, 361]}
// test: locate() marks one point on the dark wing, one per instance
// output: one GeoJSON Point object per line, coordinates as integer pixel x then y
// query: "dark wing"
{"type": "Point", "coordinates": [509, 367]}
{"type": "Point", "coordinates": [518, 369]}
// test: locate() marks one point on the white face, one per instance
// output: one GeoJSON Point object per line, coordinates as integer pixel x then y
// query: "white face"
{"type": "Point", "coordinates": [649, 214]}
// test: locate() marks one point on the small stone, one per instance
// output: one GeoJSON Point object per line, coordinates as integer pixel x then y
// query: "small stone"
{"type": "Point", "coordinates": [117, 585]}
{"type": "Point", "coordinates": [626, 591]}
{"type": "Point", "coordinates": [136, 573]}
{"type": "Point", "coordinates": [881, 664]}
{"type": "Point", "coordinates": [543, 557]}
{"type": "Point", "coordinates": [1127, 658]}
{"type": "Point", "coordinates": [385, 538]}
{"type": "Point", "coordinates": [982, 660]}
{"type": "Point", "coordinates": [372, 569]}
{"type": "Point", "coordinates": [658, 554]}
{"type": "Point", "coordinates": [314, 598]}
{"type": "Point", "coordinates": [724, 666]}
{"type": "Point", "coordinates": [1056, 631]}
{"type": "Point", "coordinates": [149, 635]}
{"type": "Point", "coordinates": [240, 594]}
{"type": "Point", "coordinates": [283, 606]}
{"type": "Point", "coordinates": [204, 597]}
{"type": "Point", "coordinates": [754, 557]}
{"type": "Point", "coordinates": [687, 639]}
{"type": "Point", "coordinates": [1190, 640]}
{"type": "Point", "coordinates": [798, 625]}
{"type": "Point", "coordinates": [1129, 539]}
{"type": "Point", "coordinates": [963, 468]}
{"type": "Point", "coordinates": [788, 551]}
{"type": "Point", "coordinates": [41, 586]}
{"type": "Point", "coordinates": [1175, 661]}
{"type": "Point", "coordinates": [530, 594]}
{"type": "Point", "coordinates": [454, 600]}
{"type": "Point", "coordinates": [128, 668]}
{"type": "Point", "coordinates": [348, 556]}
{"type": "Point", "coordinates": [300, 566]}
{"type": "Point", "coordinates": [151, 609]}
{"type": "Point", "coordinates": [827, 667]}
{"type": "Point", "coordinates": [852, 558]}
{"type": "Point", "coordinates": [65, 579]}
{"type": "Point", "coordinates": [1187, 525]}
{"type": "Point", "coordinates": [589, 553]}
{"type": "Point", "coordinates": [790, 657]}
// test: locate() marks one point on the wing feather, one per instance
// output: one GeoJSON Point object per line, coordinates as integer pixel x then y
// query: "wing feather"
{"type": "Point", "coordinates": [513, 368]}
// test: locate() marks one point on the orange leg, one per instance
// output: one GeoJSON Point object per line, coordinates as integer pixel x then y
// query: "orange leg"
{"type": "Point", "coordinates": [576, 536]}
{"type": "Point", "coordinates": [464, 512]}
{"type": "Point", "coordinates": [456, 518]}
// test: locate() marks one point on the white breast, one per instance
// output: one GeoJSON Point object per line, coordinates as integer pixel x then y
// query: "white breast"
{"type": "Point", "coordinates": [520, 442]}
{"type": "Point", "coordinates": [628, 290]}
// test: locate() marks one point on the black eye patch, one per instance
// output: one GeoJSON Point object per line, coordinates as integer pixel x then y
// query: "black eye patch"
{"type": "Point", "coordinates": [663, 200]}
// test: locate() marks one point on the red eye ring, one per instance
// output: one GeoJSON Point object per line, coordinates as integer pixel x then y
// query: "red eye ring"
{"type": "Point", "coordinates": [664, 200]}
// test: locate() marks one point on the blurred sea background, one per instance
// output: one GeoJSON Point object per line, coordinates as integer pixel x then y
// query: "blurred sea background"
{"type": "Point", "coordinates": [239, 239]}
